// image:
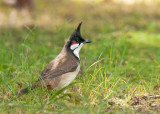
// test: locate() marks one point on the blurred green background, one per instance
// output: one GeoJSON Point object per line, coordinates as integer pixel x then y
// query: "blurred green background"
{"type": "Point", "coordinates": [120, 70]}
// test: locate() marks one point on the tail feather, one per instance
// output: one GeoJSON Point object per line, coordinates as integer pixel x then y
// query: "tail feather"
{"type": "Point", "coordinates": [25, 90]}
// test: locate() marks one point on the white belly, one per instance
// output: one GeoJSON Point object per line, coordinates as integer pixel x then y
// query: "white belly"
{"type": "Point", "coordinates": [67, 78]}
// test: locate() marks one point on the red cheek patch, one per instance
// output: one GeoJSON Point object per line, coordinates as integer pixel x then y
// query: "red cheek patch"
{"type": "Point", "coordinates": [74, 42]}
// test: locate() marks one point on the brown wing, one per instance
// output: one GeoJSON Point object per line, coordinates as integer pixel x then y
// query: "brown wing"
{"type": "Point", "coordinates": [64, 66]}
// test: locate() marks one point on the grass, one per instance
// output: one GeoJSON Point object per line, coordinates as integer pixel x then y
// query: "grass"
{"type": "Point", "coordinates": [119, 70]}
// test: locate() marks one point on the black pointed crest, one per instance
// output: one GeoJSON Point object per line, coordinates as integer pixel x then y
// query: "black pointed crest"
{"type": "Point", "coordinates": [78, 30]}
{"type": "Point", "coordinates": [76, 33]}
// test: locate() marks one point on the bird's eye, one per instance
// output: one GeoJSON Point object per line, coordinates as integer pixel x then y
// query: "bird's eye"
{"type": "Point", "coordinates": [77, 40]}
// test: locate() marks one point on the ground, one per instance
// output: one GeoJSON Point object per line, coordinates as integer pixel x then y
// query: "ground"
{"type": "Point", "coordinates": [120, 70]}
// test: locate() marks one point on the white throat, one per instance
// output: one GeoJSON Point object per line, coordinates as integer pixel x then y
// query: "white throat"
{"type": "Point", "coordinates": [76, 51]}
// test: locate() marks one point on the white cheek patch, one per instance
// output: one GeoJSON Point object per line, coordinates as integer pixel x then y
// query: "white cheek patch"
{"type": "Point", "coordinates": [74, 46]}
{"type": "Point", "coordinates": [76, 51]}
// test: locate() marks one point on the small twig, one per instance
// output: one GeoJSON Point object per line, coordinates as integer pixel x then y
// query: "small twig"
{"type": "Point", "coordinates": [20, 87]}
{"type": "Point", "coordinates": [154, 96]}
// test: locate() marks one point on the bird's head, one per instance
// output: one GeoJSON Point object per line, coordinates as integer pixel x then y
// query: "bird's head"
{"type": "Point", "coordinates": [76, 41]}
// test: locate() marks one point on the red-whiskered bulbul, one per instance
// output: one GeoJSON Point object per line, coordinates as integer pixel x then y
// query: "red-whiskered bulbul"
{"type": "Point", "coordinates": [61, 71]}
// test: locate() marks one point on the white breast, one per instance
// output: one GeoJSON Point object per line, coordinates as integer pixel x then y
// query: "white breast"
{"type": "Point", "coordinates": [76, 51]}
{"type": "Point", "coordinates": [67, 78]}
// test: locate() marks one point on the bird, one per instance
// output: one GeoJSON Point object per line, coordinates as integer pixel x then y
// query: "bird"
{"type": "Point", "coordinates": [62, 70]}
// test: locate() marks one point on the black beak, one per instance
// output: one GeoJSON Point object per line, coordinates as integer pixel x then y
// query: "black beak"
{"type": "Point", "coordinates": [87, 41]}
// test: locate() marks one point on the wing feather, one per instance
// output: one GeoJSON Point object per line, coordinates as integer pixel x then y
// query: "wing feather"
{"type": "Point", "coordinates": [64, 66]}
